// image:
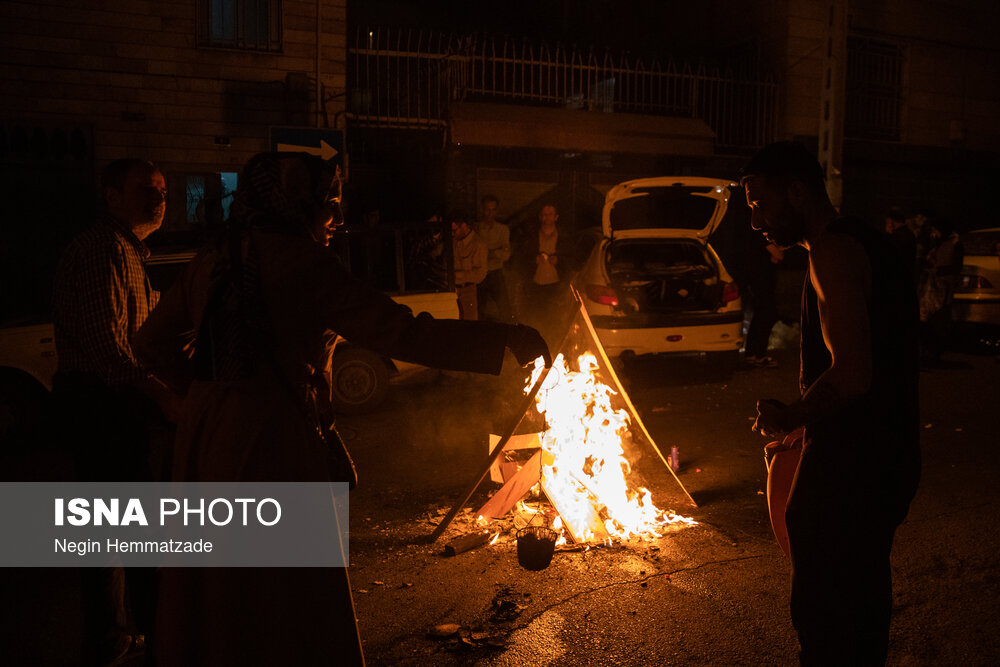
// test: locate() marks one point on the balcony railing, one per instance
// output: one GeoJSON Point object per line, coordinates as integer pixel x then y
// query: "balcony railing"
{"type": "Point", "coordinates": [407, 78]}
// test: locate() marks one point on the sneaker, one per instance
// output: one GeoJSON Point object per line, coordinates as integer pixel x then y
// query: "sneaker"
{"type": "Point", "coordinates": [761, 362]}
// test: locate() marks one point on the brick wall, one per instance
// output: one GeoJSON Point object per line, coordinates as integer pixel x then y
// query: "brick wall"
{"type": "Point", "coordinates": [133, 72]}
{"type": "Point", "coordinates": [951, 70]}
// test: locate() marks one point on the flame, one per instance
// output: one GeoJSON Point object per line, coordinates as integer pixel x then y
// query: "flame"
{"type": "Point", "coordinates": [588, 466]}
{"type": "Point", "coordinates": [557, 525]}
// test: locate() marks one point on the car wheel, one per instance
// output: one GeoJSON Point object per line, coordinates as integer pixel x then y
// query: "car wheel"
{"type": "Point", "coordinates": [360, 380]}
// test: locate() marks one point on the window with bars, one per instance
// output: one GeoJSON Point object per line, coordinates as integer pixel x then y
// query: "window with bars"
{"type": "Point", "coordinates": [874, 89]}
{"type": "Point", "coordinates": [254, 25]}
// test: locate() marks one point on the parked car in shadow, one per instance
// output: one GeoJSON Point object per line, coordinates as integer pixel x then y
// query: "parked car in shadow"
{"type": "Point", "coordinates": [977, 294]}
{"type": "Point", "coordinates": [360, 377]}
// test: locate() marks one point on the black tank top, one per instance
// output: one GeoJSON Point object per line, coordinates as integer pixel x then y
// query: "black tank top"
{"type": "Point", "coordinates": [889, 411]}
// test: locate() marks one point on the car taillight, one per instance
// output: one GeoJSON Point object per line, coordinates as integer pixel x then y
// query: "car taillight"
{"type": "Point", "coordinates": [602, 294]}
{"type": "Point", "coordinates": [730, 292]}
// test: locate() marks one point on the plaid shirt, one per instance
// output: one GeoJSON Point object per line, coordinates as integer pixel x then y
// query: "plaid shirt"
{"type": "Point", "coordinates": [101, 296]}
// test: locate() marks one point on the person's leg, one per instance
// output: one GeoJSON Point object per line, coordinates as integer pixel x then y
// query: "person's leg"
{"type": "Point", "coordinates": [105, 624]}
{"type": "Point", "coordinates": [467, 303]}
{"type": "Point", "coordinates": [817, 601]}
{"type": "Point", "coordinates": [91, 429]}
{"type": "Point", "coordinates": [483, 295]}
{"type": "Point", "coordinates": [840, 530]}
{"type": "Point", "coordinates": [505, 312]}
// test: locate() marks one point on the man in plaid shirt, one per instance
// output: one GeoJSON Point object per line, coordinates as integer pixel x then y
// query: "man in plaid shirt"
{"type": "Point", "coordinates": [109, 406]}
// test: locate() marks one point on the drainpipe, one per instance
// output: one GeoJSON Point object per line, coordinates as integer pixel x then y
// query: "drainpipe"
{"type": "Point", "coordinates": [319, 30]}
{"type": "Point", "coordinates": [831, 119]}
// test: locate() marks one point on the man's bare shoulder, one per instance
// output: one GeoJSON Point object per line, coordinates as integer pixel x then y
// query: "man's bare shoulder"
{"type": "Point", "coordinates": [837, 259]}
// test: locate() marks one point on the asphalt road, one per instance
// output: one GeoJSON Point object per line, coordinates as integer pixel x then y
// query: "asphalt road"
{"type": "Point", "coordinates": [715, 593]}
{"type": "Point", "coordinates": [711, 594]}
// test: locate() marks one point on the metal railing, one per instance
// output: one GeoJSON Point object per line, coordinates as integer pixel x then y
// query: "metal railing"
{"type": "Point", "coordinates": [406, 78]}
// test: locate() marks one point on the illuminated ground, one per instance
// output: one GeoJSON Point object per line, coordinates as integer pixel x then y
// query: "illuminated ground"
{"type": "Point", "coordinates": [713, 594]}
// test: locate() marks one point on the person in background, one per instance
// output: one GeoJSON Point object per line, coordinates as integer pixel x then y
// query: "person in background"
{"type": "Point", "coordinates": [762, 281]}
{"type": "Point", "coordinates": [112, 407]}
{"type": "Point", "coordinates": [248, 333]}
{"type": "Point", "coordinates": [426, 268]}
{"type": "Point", "coordinates": [858, 407]}
{"type": "Point", "coordinates": [470, 264]}
{"type": "Point", "coordinates": [546, 261]}
{"type": "Point", "coordinates": [496, 235]}
{"type": "Point", "coordinates": [901, 237]}
{"type": "Point", "coordinates": [941, 266]}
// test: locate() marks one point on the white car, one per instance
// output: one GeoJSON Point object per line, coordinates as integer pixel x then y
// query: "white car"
{"type": "Point", "coordinates": [977, 295]}
{"type": "Point", "coordinates": [654, 285]}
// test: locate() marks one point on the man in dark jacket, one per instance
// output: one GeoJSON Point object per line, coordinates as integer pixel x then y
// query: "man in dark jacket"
{"type": "Point", "coordinates": [861, 462]}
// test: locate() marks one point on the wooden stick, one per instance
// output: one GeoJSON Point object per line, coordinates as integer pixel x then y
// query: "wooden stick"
{"type": "Point", "coordinates": [466, 542]}
{"type": "Point", "coordinates": [529, 400]}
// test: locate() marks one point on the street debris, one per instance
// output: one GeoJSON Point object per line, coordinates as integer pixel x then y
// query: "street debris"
{"type": "Point", "coordinates": [505, 606]}
{"type": "Point", "coordinates": [466, 542]}
{"type": "Point", "coordinates": [444, 630]}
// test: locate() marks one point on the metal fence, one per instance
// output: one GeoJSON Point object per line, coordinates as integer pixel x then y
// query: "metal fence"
{"type": "Point", "coordinates": [406, 78]}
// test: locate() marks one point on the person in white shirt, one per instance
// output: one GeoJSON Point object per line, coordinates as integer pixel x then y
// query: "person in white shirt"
{"type": "Point", "coordinates": [496, 235]}
{"type": "Point", "coordinates": [470, 264]}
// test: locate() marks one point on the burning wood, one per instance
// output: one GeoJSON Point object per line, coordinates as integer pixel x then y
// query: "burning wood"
{"type": "Point", "coordinates": [579, 461]}
{"type": "Point", "coordinates": [580, 464]}
{"type": "Point", "coordinates": [587, 480]}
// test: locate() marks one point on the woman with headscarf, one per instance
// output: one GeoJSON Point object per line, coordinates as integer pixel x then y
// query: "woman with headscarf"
{"type": "Point", "coordinates": [247, 331]}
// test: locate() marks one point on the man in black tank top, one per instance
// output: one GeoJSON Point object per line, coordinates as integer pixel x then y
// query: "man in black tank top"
{"type": "Point", "coordinates": [858, 380]}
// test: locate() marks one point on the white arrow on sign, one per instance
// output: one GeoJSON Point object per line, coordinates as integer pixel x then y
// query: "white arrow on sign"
{"type": "Point", "coordinates": [325, 150]}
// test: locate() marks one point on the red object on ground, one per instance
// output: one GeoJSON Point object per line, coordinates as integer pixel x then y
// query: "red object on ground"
{"type": "Point", "coordinates": [782, 463]}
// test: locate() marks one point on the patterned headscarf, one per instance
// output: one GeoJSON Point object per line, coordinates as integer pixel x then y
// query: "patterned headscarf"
{"type": "Point", "coordinates": [276, 192]}
{"type": "Point", "coordinates": [281, 190]}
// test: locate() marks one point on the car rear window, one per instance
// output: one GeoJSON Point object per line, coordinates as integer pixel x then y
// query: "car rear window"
{"type": "Point", "coordinates": [670, 207]}
{"type": "Point", "coordinates": [657, 258]}
{"type": "Point", "coordinates": [981, 243]}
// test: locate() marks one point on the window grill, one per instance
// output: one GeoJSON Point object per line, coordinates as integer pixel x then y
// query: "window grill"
{"type": "Point", "coordinates": [874, 89]}
{"type": "Point", "coordinates": [252, 25]}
